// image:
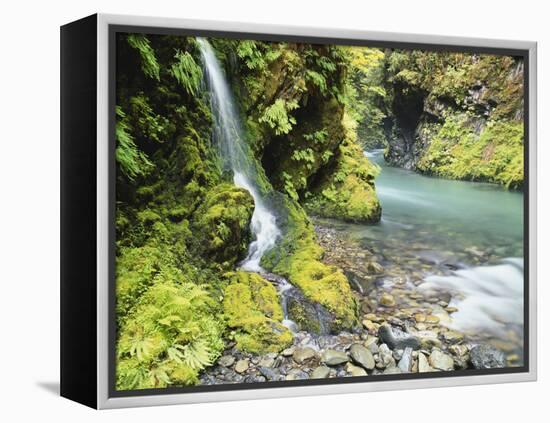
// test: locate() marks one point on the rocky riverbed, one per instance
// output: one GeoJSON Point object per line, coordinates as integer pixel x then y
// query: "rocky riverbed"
{"type": "Point", "coordinates": [404, 328]}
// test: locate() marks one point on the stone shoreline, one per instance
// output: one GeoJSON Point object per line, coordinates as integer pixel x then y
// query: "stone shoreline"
{"type": "Point", "coordinates": [403, 330]}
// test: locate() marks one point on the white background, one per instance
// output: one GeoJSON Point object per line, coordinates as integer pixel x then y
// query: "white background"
{"type": "Point", "coordinates": [29, 196]}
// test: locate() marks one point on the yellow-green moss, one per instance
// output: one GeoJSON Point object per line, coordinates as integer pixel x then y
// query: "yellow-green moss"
{"type": "Point", "coordinates": [221, 225]}
{"type": "Point", "coordinates": [298, 257]}
{"type": "Point", "coordinates": [347, 192]}
{"type": "Point", "coordinates": [252, 308]}
{"type": "Point", "coordinates": [496, 155]}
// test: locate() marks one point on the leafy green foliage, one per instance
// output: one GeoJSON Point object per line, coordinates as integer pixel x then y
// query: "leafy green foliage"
{"type": "Point", "coordinates": [170, 336]}
{"type": "Point", "coordinates": [149, 63]}
{"type": "Point", "coordinates": [277, 116]}
{"type": "Point", "coordinates": [187, 72]}
{"type": "Point", "coordinates": [133, 162]}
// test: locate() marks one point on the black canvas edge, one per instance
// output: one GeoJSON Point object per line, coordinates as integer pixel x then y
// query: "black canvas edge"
{"type": "Point", "coordinates": [155, 30]}
{"type": "Point", "coordinates": [78, 211]}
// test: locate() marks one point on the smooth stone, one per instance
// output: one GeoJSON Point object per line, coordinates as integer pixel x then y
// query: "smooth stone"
{"type": "Point", "coordinates": [362, 356]}
{"type": "Point", "coordinates": [459, 350]}
{"type": "Point", "coordinates": [369, 325]}
{"type": "Point", "coordinates": [397, 354]}
{"type": "Point", "coordinates": [267, 362]}
{"type": "Point", "coordinates": [423, 365]}
{"type": "Point", "coordinates": [333, 357]}
{"type": "Point", "coordinates": [453, 337]}
{"type": "Point", "coordinates": [269, 373]}
{"type": "Point", "coordinates": [375, 267]}
{"type": "Point", "coordinates": [301, 355]}
{"type": "Point", "coordinates": [441, 361]}
{"type": "Point", "coordinates": [428, 339]}
{"type": "Point", "coordinates": [431, 319]}
{"type": "Point", "coordinates": [226, 360]}
{"type": "Point", "coordinates": [397, 339]}
{"type": "Point", "coordinates": [487, 357]}
{"type": "Point", "coordinates": [288, 352]}
{"type": "Point", "coordinates": [419, 317]}
{"type": "Point", "coordinates": [405, 364]}
{"type": "Point", "coordinates": [297, 374]}
{"type": "Point", "coordinates": [387, 300]}
{"type": "Point", "coordinates": [321, 372]}
{"type": "Point", "coordinates": [241, 366]}
{"type": "Point", "coordinates": [385, 355]}
{"type": "Point", "coordinates": [355, 370]}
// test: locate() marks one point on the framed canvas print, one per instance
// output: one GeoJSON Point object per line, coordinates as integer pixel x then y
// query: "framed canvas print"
{"type": "Point", "coordinates": [254, 211]}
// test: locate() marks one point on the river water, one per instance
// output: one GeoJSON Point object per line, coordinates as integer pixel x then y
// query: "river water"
{"type": "Point", "coordinates": [463, 239]}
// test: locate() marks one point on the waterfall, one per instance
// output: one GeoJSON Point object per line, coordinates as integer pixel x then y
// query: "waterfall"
{"type": "Point", "coordinates": [234, 151]}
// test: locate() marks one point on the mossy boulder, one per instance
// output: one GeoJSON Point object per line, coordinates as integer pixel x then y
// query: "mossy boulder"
{"type": "Point", "coordinates": [297, 256]}
{"type": "Point", "coordinates": [221, 224]}
{"type": "Point", "coordinates": [346, 189]}
{"type": "Point", "coordinates": [253, 310]}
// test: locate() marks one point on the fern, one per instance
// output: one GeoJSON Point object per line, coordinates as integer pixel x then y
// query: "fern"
{"type": "Point", "coordinates": [197, 355]}
{"type": "Point", "coordinates": [317, 79]}
{"type": "Point", "coordinates": [133, 162]}
{"type": "Point", "coordinates": [277, 117]}
{"type": "Point", "coordinates": [149, 64]}
{"type": "Point", "coordinates": [187, 72]}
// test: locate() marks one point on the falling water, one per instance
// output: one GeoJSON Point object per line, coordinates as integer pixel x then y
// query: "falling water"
{"type": "Point", "coordinates": [235, 154]}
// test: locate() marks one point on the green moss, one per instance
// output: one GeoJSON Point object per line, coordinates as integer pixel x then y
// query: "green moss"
{"type": "Point", "coordinates": [495, 155]}
{"type": "Point", "coordinates": [347, 190]}
{"type": "Point", "coordinates": [297, 257]}
{"type": "Point", "coordinates": [252, 308]}
{"type": "Point", "coordinates": [221, 224]}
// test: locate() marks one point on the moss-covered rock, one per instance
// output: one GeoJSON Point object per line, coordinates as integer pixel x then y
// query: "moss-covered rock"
{"type": "Point", "coordinates": [495, 155]}
{"type": "Point", "coordinates": [346, 191]}
{"type": "Point", "coordinates": [253, 310]}
{"type": "Point", "coordinates": [456, 115]}
{"type": "Point", "coordinates": [221, 224]}
{"type": "Point", "coordinates": [298, 257]}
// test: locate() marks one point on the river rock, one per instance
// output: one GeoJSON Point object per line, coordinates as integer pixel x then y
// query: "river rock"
{"type": "Point", "coordinates": [405, 364]}
{"type": "Point", "coordinates": [308, 316]}
{"type": "Point", "coordinates": [267, 361]}
{"type": "Point", "coordinates": [241, 366]}
{"type": "Point", "coordinates": [423, 365]}
{"type": "Point", "coordinates": [375, 267]}
{"type": "Point", "coordinates": [297, 374]}
{"type": "Point", "coordinates": [387, 300]}
{"type": "Point", "coordinates": [355, 370]}
{"type": "Point", "coordinates": [269, 373]}
{"type": "Point", "coordinates": [362, 356]}
{"type": "Point", "coordinates": [287, 352]}
{"type": "Point", "coordinates": [385, 356]}
{"type": "Point", "coordinates": [226, 360]}
{"type": "Point", "coordinates": [301, 355]}
{"type": "Point", "coordinates": [369, 325]}
{"type": "Point", "coordinates": [397, 339]}
{"type": "Point", "coordinates": [441, 361]}
{"type": "Point", "coordinates": [333, 357]}
{"type": "Point", "coordinates": [320, 372]}
{"type": "Point", "coordinates": [428, 339]}
{"type": "Point", "coordinates": [487, 357]}
{"type": "Point", "coordinates": [453, 337]}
